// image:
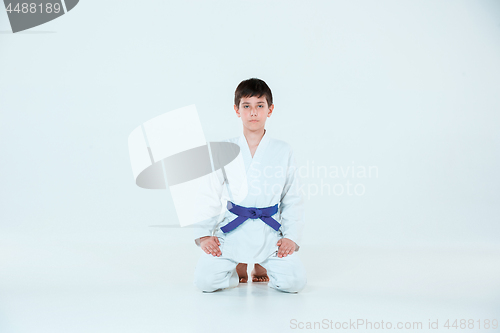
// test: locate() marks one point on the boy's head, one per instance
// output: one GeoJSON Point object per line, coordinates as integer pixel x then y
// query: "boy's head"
{"type": "Point", "coordinates": [253, 103]}
{"type": "Point", "coordinates": [253, 87]}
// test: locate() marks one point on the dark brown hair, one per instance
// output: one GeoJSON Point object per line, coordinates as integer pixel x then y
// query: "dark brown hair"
{"type": "Point", "coordinates": [252, 87]}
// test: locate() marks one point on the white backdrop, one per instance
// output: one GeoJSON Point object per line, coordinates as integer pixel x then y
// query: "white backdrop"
{"type": "Point", "coordinates": [410, 88]}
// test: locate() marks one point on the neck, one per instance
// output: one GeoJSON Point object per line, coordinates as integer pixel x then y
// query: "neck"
{"type": "Point", "coordinates": [253, 137]}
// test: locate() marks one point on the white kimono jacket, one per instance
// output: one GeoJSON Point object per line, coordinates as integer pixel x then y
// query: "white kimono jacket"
{"type": "Point", "coordinates": [272, 178]}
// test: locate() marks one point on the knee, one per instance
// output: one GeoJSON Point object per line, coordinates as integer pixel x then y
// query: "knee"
{"type": "Point", "coordinates": [208, 279]}
{"type": "Point", "coordinates": [204, 281]}
{"type": "Point", "coordinates": [205, 285]}
{"type": "Point", "coordinates": [292, 283]}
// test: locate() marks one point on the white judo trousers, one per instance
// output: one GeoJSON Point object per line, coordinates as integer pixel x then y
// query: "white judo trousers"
{"type": "Point", "coordinates": [271, 178]}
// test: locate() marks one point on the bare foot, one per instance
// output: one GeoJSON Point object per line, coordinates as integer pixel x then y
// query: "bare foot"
{"type": "Point", "coordinates": [241, 269]}
{"type": "Point", "coordinates": [259, 274]}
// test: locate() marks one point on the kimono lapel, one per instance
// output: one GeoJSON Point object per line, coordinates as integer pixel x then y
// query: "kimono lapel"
{"type": "Point", "coordinates": [261, 148]}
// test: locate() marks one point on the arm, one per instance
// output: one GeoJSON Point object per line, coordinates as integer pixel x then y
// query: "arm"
{"type": "Point", "coordinates": [292, 206]}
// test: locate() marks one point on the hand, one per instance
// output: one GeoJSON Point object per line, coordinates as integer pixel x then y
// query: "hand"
{"type": "Point", "coordinates": [286, 247]}
{"type": "Point", "coordinates": [210, 244]}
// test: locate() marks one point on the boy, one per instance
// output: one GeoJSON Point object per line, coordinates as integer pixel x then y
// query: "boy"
{"type": "Point", "coordinates": [255, 230]}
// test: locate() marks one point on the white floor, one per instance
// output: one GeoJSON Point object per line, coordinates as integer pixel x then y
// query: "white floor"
{"type": "Point", "coordinates": [143, 283]}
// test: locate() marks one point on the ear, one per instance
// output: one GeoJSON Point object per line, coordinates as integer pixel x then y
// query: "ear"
{"type": "Point", "coordinates": [271, 108]}
{"type": "Point", "coordinates": [237, 111]}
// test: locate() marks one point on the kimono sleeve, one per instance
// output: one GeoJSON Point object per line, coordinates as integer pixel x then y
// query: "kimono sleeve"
{"type": "Point", "coordinates": [210, 194]}
{"type": "Point", "coordinates": [292, 203]}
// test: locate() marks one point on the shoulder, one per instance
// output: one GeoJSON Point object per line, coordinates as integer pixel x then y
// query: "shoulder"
{"type": "Point", "coordinates": [281, 145]}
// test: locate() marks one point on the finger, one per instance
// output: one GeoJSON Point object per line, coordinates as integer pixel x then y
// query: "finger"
{"type": "Point", "coordinates": [279, 243]}
{"type": "Point", "coordinates": [218, 242]}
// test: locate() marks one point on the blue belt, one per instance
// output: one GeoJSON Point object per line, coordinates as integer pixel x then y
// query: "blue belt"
{"type": "Point", "coordinates": [245, 213]}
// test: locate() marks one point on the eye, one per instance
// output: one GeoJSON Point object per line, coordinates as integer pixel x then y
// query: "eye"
{"type": "Point", "coordinates": [261, 106]}
{"type": "Point", "coordinates": [246, 106]}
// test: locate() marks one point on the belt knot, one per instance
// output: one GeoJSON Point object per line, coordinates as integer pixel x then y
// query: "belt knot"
{"type": "Point", "coordinates": [256, 213]}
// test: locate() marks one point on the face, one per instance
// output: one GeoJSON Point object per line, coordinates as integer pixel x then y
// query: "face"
{"type": "Point", "coordinates": [254, 112]}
